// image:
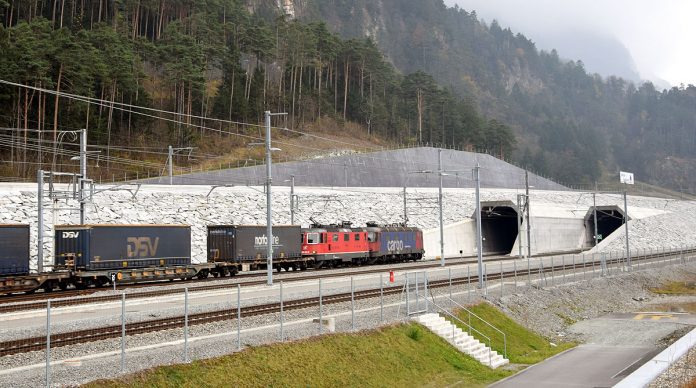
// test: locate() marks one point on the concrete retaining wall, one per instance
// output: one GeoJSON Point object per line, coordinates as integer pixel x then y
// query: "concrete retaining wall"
{"type": "Point", "coordinates": [245, 205]}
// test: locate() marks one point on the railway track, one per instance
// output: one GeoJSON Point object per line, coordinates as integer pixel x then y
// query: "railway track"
{"type": "Point", "coordinates": [154, 325]}
{"type": "Point", "coordinates": [22, 302]}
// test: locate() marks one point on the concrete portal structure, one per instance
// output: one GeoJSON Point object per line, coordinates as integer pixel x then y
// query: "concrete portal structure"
{"type": "Point", "coordinates": [499, 226]}
{"type": "Point", "coordinates": [609, 218]}
{"type": "Point", "coordinates": [460, 240]}
{"type": "Point", "coordinates": [554, 228]}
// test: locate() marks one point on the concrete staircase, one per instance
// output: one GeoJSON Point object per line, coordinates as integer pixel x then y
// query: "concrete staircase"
{"type": "Point", "coordinates": [461, 340]}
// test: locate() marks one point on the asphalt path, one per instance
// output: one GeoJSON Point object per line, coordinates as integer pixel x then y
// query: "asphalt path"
{"type": "Point", "coordinates": [617, 345]}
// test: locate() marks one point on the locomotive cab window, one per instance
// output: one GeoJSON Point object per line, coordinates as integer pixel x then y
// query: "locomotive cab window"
{"type": "Point", "coordinates": [346, 237]}
{"type": "Point", "coordinates": [334, 237]}
{"type": "Point", "coordinates": [357, 237]}
{"type": "Point", "coordinates": [371, 236]}
{"type": "Point", "coordinates": [313, 238]}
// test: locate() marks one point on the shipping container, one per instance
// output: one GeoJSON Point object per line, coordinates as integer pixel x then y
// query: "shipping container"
{"type": "Point", "coordinates": [108, 247]}
{"type": "Point", "coordinates": [249, 243]}
{"type": "Point", "coordinates": [14, 250]}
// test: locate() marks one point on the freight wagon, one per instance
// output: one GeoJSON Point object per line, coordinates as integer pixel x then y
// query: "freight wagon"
{"type": "Point", "coordinates": [14, 250]}
{"type": "Point", "coordinates": [99, 254]}
{"type": "Point", "coordinates": [234, 248]}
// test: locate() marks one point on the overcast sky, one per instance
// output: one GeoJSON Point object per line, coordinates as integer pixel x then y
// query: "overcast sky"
{"type": "Point", "coordinates": [659, 35]}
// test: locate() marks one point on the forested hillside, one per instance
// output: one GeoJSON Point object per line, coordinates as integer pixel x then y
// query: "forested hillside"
{"type": "Point", "coordinates": [403, 70]}
{"type": "Point", "coordinates": [217, 64]}
{"type": "Point", "coordinates": [569, 124]}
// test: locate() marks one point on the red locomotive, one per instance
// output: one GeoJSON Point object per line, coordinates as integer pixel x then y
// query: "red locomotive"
{"type": "Point", "coordinates": [335, 244]}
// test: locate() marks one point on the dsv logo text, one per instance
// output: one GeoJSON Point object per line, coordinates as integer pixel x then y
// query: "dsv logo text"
{"type": "Point", "coordinates": [71, 234]}
{"type": "Point", "coordinates": [142, 246]}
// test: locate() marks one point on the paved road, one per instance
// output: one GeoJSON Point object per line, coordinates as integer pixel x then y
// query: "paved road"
{"type": "Point", "coordinates": [584, 366]}
{"type": "Point", "coordinates": [617, 345]}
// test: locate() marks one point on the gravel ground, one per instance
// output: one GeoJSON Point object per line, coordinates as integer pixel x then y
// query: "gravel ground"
{"type": "Point", "coordinates": [551, 310]}
{"type": "Point", "coordinates": [547, 309]}
{"type": "Point", "coordinates": [680, 374]}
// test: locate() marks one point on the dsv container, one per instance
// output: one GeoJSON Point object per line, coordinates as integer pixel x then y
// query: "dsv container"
{"type": "Point", "coordinates": [249, 243]}
{"type": "Point", "coordinates": [14, 250]}
{"type": "Point", "coordinates": [107, 247]}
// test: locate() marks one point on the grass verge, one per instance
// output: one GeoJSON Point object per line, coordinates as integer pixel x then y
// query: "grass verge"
{"type": "Point", "coordinates": [676, 288]}
{"type": "Point", "coordinates": [523, 345]}
{"type": "Point", "coordinates": [395, 356]}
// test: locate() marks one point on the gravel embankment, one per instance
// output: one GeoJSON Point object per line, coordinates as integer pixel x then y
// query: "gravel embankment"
{"type": "Point", "coordinates": [680, 374]}
{"type": "Point", "coordinates": [551, 310]}
{"type": "Point", "coordinates": [548, 310]}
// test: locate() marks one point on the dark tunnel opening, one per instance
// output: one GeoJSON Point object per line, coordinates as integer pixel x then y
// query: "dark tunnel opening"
{"type": "Point", "coordinates": [608, 220]}
{"type": "Point", "coordinates": [499, 228]}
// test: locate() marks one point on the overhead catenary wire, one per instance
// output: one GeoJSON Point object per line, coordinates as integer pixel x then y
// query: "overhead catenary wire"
{"type": "Point", "coordinates": [119, 105]}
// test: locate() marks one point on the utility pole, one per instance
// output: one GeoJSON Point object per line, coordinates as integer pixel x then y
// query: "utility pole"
{"type": "Point", "coordinates": [269, 222]}
{"type": "Point", "coordinates": [442, 226]}
{"type": "Point", "coordinates": [594, 207]}
{"type": "Point", "coordinates": [170, 162]}
{"type": "Point", "coordinates": [529, 233]}
{"type": "Point", "coordinates": [479, 238]}
{"type": "Point", "coordinates": [519, 226]}
{"type": "Point", "coordinates": [292, 200]}
{"type": "Point", "coordinates": [345, 173]}
{"type": "Point", "coordinates": [405, 210]}
{"type": "Point", "coordinates": [628, 251]}
{"type": "Point", "coordinates": [83, 175]}
{"type": "Point", "coordinates": [269, 182]}
{"type": "Point", "coordinates": [40, 234]}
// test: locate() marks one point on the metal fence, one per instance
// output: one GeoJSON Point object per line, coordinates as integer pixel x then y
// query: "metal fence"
{"type": "Point", "coordinates": [193, 324]}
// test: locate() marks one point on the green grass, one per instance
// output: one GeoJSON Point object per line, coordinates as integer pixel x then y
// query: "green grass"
{"type": "Point", "coordinates": [395, 356]}
{"type": "Point", "coordinates": [523, 345]}
{"type": "Point", "coordinates": [676, 288]}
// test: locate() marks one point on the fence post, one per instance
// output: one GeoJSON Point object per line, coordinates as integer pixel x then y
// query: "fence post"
{"type": "Point", "coordinates": [485, 279]}
{"type": "Point", "coordinates": [239, 317]}
{"type": "Point", "coordinates": [514, 264]}
{"type": "Point", "coordinates": [282, 337]}
{"type": "Point", "coordinates": [48, 344]}
{"type": "Point", "coordinates": [449, 270]}
{"type": "Point", "coordinates": [468, 283]}
{"type": "Point", "coordinates": [186, 324]}
{"type": "Point", "coordinates": [593, 263]}
{"type": "Point", "coordinates": [352, 305]}
{"type": "Point", "coordinates": [501, 279]}
{"type": "Point", "coordinates": [381, 299]}
{"type": "Point", "coordinates": [123, 331]}
{"type": "Point", "coordinates": [408, 304]}
{"type": "Point", "coordinates": [321, 310]}
{"type": "Point", "coordinates": [563, 266]}
{"type": "Point", "coordinates": [573, 256]}
{"type": "Point", "coordinates": [553, 282]}
{"type": "Point", "coordinates": [584, 271]}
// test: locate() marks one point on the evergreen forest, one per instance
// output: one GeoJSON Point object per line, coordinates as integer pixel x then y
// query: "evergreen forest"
{"type": "Point", "coordinates": [218, 66]}
{"type": "Point", "coordinates": [400, 71]}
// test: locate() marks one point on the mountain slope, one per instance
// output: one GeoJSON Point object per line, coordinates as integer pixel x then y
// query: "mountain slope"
{"type": "Point", "coordinates": [570, 124]}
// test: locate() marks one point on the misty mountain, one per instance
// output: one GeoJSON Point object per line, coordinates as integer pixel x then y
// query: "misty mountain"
{"type": "Point", "coordinates": [601, 54]}
{"type": "Point", "coordinates": [570, 123]}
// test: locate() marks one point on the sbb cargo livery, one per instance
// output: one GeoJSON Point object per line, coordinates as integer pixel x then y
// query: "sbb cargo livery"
{"type": "Point", "coordinates": [97, 255]}
{"type": "Point", "coordinates": [331, 245]}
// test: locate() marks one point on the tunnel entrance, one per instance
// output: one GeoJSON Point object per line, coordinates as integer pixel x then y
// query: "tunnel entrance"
{"type": "Point", "coordinates": [609, 218]}
{"type": "Point", "coordinates": [498, 227]}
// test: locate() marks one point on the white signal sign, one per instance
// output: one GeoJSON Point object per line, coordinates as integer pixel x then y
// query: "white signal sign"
{"type": "Point", "coordinates": [626, 177]}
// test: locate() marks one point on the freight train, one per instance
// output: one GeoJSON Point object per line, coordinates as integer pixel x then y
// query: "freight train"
{"type": "Point", "coordinates": [97, 255]}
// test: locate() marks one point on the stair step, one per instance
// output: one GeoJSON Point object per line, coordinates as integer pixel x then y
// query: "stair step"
{"type": "Point", "coordinates": [462, 340]}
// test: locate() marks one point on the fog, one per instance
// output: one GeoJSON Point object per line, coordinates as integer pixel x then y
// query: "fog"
{"type": "Point", "coordinates": [632, 38]}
